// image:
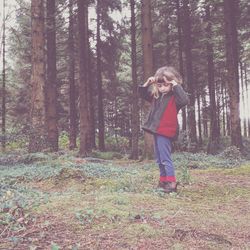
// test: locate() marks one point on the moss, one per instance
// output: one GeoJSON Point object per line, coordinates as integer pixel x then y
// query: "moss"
{"type": "Point", "coordinates": [243, 170]}
{"type": "Point", "coordinates": [137, 230]}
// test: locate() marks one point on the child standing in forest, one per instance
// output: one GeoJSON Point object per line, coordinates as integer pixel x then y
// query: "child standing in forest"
{"type": "Point", "coordinates": [167, 97]}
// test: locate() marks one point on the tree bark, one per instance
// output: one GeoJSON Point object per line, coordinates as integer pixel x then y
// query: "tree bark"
{"type": "Point", "coordinates": [243, 100]}
{"type": "Point", "coordinates": [223, 109]}
{"type": "Point", "coordinates": [247, 97]}
{"type": "Point", "coordinates": [83, 89]}
{"type": "Point", "coordinates": [147, 49]}
{"type": "Point", "coordinates": [180, 53]}
{"type": "Point", "coordinates": [101, 131]}
{"type": "Point", "coordinates": [91, 105]}
{"type": "Point", "coordinates": [51, 82]}
{"type": "Point", "coordinates": [135, 106]}
{"type": "Point", "coordinates": [37, 141]}
{"type": "Point", "coordinates": [214, 138]}
{"type": "Point", "coordinates": [199, 119]}
{"type": "Point", "coordinates": [232, 63]}
{"type": "Point", "coordinates": [3, 139]}
{"type": "Point", "coordinates": [187, 31]}
{"type": "Point", "coordinates": [72, 86]}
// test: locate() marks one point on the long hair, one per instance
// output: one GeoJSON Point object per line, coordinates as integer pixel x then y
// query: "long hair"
{"type": "Point", "coordinates": [170, 73]}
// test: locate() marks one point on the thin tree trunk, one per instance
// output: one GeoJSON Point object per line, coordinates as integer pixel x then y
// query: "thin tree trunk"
{"type": "Point", "coordinates": [228, 123]}
{"type": "Point", "coordinates": [243, 100]}
{"type": "Point", "coordinates": [223, 109]}
{"type": "Point", "coordinates": [147, 49]}
{"type": "Point", "coordinates": [204, 116]}
{"type": "Point", "coordinates": [101, 131]}
{"type": "Point", "coordinates": [214, 138]}
{"type": "Point", "coordinates": [187, 31]}
{"type": "Point", "coordinates": [180, 53]}
{"type": "Point", "coordinates": [51, 83]}
{"type": "Point", "coordinates": [199, 119]}
{"type": "Point", "coordinates": [72, 86]}
{"type": "Point", "coordinates": [135, 105]}
{"type": "Point", "coordinates": [37, 141]}
{"type": "Point", "coordinates": [84, 118]}
{"type": "Point", "coordinates": [231, 9]}
{"type": "Point", "coordinates": [92, 107]}
{"type": "Point", "coordinates": [88, 83]}
{"type": "Point", "coordinates": [247, 98]}
{"type": "Point", "coordinates": [168, 45]}
{"type": "Point", "coordinates": [217, 111]}
{"type": "Point", "coordinates": [91, 80]}
{"type": "Point", "coordinates": [3, 139]}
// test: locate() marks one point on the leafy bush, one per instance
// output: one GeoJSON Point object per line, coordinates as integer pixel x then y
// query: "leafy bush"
{"type": "Point", "coordinates": [231, 153]}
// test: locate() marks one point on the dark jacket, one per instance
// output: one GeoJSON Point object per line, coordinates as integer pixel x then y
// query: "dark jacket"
{"type": "Point", "coordinates": [162, 118]}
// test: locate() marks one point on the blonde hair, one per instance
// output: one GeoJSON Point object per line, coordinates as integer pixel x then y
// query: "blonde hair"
{"type": "Point", "coordinates": [170, 73]}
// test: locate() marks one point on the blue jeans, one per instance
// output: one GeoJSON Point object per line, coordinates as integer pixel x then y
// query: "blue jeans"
{"type": "Point", "coordinates": [162, 148]}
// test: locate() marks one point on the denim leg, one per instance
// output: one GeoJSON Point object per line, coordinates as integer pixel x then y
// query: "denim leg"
{"type": "Point", "coordinates": [158, 158]}
{"type": "Point", "coordinates": [164, 146]}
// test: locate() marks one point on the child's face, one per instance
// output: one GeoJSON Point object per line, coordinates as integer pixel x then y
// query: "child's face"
{"type": "Point", "coordinates": [164, 86]}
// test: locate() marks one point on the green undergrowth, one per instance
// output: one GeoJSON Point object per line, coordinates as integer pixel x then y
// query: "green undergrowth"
{"type": "Point", "coordinates": [121, 198]}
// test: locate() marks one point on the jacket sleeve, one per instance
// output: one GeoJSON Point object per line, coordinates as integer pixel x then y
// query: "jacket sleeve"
{"type": "Point", "coordinates": [144, 93]}
{"type": "Point", "coordinates": [181, 97]}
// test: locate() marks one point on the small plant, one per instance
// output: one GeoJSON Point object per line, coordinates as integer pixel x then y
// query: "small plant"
{"type": "Point", "coordinates": [185, 177]}
{"type": "Point", "coordinates": [63, 140]}
{"type": "Point", "coordinates": [86, 217]}
{"type": "Point", "coordinates": [54, 246]}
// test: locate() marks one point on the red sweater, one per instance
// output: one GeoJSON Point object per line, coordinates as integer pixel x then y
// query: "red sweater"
{"type": "Point", "coordinates": [162, 118]}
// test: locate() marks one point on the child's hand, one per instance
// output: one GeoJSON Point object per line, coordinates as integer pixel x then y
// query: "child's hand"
{"type": "Point", "coordinates": [150, 81]}
{"type": "Point", "coordinates": [174, 83]}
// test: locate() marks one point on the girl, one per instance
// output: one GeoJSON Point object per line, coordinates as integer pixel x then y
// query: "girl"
{"type": "Point", "coordinates": [167, 97]}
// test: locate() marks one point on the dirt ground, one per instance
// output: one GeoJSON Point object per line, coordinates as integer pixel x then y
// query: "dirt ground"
{"type": "Point", "coordinates": [211, 212]}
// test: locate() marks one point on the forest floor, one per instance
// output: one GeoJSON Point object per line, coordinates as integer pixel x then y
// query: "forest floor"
{"type": "Point", "coordinates": [67, 202]}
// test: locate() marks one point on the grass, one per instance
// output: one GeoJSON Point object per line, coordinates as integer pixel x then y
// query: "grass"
{"type": "Point", "coordinates": [116, 205]}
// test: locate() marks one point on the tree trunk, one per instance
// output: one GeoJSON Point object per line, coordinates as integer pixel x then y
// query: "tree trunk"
{"type": "Point", "coordinates": [217, 111]}
{"type": "Point", "coordinates": [147, 49]}
{"type": "Point", "coordinates": [91, 104]}
{"type": "Point", "coordinates": [187, 31]}
{"type": "Point", "coordinates": [214, 138]}
{"type": "Point", "coordinates": [204, 116]}
{"type": "Point", "coordinates": [199, 119]}
{"type": "Point", "coordinates": [88, 83]}
{"type": "Point", "coordinates": [51, 83]}
{"type": "Point", "coordinates": [180, 53]}
{"type": "Point", "coordinates": [228, 123]}
{"type": "Point", "coordinates": [243, 100]}
{"type": "Point", "coordinates": [37, 112]}
{"type": "Point", "coordinates": [72, 86]}
{"type": "Point", "coordinates": [168, 45]}
{"type": "Point", "coordinates": [232, 62]}
{"type": "Point", "coordinates": [223, 109]}
{"type": "Point", "coordinates": [83, 98]}
{"type": "Point", "coordinates": [3, 139]}
{"type": "Point", "coordinates": [247, 98]}
{"type": "Point", "coordinates": [135, 106]}
{"type": "Point", "coordinates": [101, 131]}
